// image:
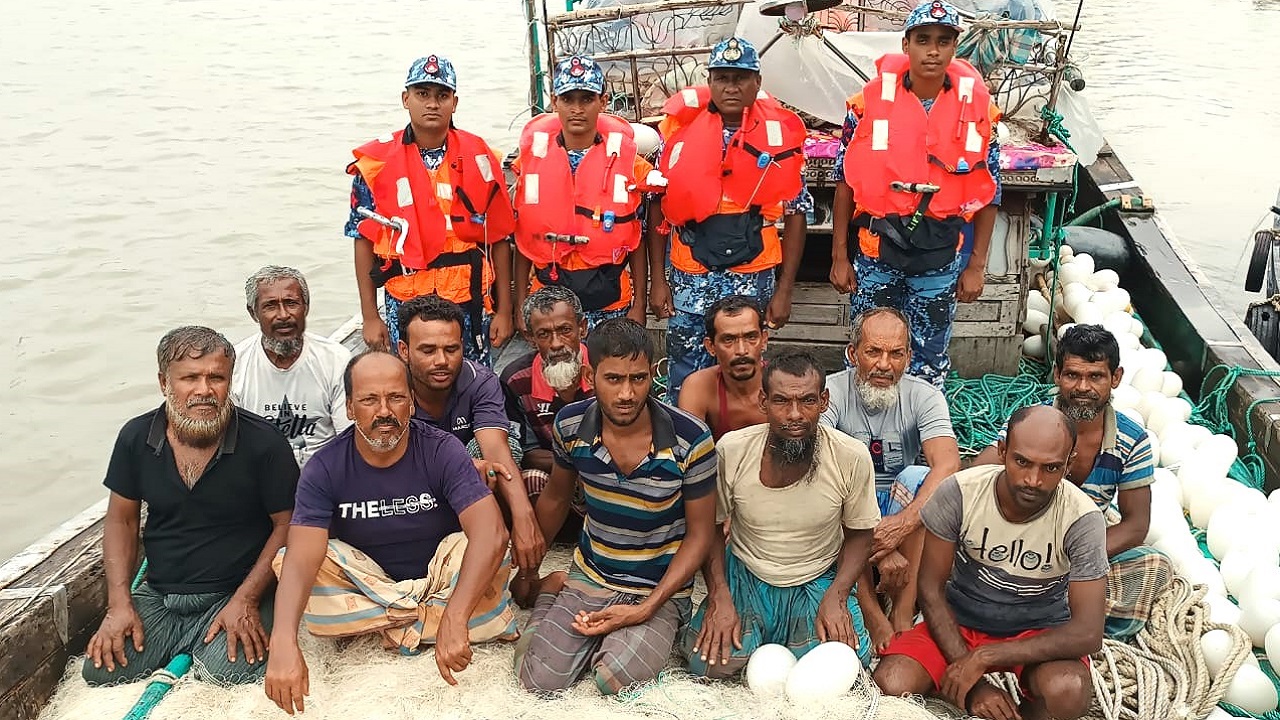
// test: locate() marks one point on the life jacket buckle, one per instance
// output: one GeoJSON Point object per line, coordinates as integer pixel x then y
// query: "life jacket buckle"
{"type": "Point", "coordinates": [477, 218]}
{"type": "Point", "coordinates": [910, 187]}
{"type": "Point", "coordinates": [554, 238]}
{"type": "Point", "coordinates": [399, 231]}
{"type": "Point", "coordinates": [608, 219]}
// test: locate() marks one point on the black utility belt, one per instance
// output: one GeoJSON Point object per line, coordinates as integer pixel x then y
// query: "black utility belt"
{"type": "Point", "coordinates": [726, 240]}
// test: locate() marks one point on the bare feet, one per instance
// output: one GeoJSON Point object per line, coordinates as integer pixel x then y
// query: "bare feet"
{"type": "Point", "coordinates": [880, 630]}
{"type": "Point", "coordinates": [552, 583]}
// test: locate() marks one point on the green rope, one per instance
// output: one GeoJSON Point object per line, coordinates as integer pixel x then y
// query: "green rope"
{"type": "Point", "coordinates": [1212, 412]}
{"type": "Point", "coordinates": [1053, 126]}
{"type": "Point", "coordinates": [137, 579]}
{"type": "Point", "coordinates": [980, 406]}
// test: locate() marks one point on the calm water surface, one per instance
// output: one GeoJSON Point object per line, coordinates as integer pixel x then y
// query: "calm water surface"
{"type": "Point", "coordinates": [161, 150]}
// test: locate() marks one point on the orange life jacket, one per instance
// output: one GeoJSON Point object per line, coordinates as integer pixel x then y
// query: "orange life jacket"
{"type": "Point", "coordinates": [897, 141]}
{"type": "Point", "coordinates": [598, 204]}
{"type": "Point", "coordinates": [450, 213]}
{"type": "Point", "coordinates": [702, 176]}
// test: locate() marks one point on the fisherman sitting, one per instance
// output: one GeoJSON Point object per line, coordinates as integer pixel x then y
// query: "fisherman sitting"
{"type": "Point", "coordinates": [465, 398]}
{"type": "Point", "coordinates": [1011, 579]}
{"type": "Point", "coordinates": [801, 498]}
{"type": "Point", "coordinates": [580, 183]}
{"type": "Point", "coordinates": [394, 533]}
{"type": "Point", "coordinates": [649, 473]}
{"type": "Point", "coordinates": [1115, 468]}
{"type": "Point", "coordinates": [726, 396]}
{"type": "Point", "coordinates": [541, 383]}
{"type": "Point", "coordinates": [218, 482]}
{"type": "Point", "coordinates": [287, 375]}
{"type": "Point", "coordinates": [898, 417]}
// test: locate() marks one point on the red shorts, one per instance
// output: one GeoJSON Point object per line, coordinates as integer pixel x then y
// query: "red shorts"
{"type": "Point", "coordinates": [919, 645]}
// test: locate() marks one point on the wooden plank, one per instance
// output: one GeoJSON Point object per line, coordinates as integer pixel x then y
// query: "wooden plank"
{"type": "Point", "coordinates": [812, 314]}
{"type": "Point", "coordinates": [986, 330]}
{"type": "Point", "coordinates": [30, 637]}
{"type": "Point", "coordinates": [975, 357]}
{"type": "Point", "coordinates": [818, 293]}
{"type": "Point", "coordinates": [977, 312]}
{"type": "Point", "coordinates": [1001, 291]}
{"type": "Point", "coordinates": [25, 701]}
{"type": "Point", "coordinates": [40, 550]}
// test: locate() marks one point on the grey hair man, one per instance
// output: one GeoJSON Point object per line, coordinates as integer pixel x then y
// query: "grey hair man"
{"type": "Point", "coordinates": [542, 382]}
{"type": "Point", "coordinates": [219, 483]}
{"type": "Point", "coordinates": [287, 375]}
{"type": "Point", "coordinates": [900, 417]}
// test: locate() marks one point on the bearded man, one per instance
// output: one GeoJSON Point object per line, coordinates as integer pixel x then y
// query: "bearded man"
{"type": "Point", "coordinates": [799, 501]}
{"type": "Point", "coordinates": [398, 504]}
{"type": "Point", "coordinates": [542, 382]}
{"type": "Point", "coordinates": [287, 375]}
{"type": "Point", "coordinates": [899, 417]}
{"type": "Point", "coordinates": [1114, 466]}
{"type": "Point", "coordinates": [218, 482]}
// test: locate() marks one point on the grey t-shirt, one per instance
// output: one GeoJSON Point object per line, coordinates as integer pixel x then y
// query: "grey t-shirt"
{"type": "Point", "coordinates": [894, 436]}
{"type": "Point", "coordinates": [1022, 568]}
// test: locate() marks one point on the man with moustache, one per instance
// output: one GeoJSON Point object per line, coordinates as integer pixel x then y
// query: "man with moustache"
{"type": "Point", "coordinates": [733, 158]}
{"type": "Point", "coordinates": [727, 396]}
{"type": "Point", "coordinates": [541, 383]}
{"type": "Point", "coordinates": [394, 533]}
{"type": "Point", "coordinates": [287, 375]}
{"type": "Point", "coordinates": [464, 398]}
{"type": "Point", "coordinates": [799, 501]}
{"type": "Point", "coordinates": [1011, 537]}
{"type": "Point", "coordinates": [218, 482]}
{"type": "Point", "coordinates": [1115, 468]}
{"type": "Point", "coordinates": [899, 417]}
{"type": "Point", "coordinates": [648, 471]}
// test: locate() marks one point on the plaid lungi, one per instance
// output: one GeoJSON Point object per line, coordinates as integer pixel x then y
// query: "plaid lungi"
{"type": "Point", "coordinates": [1135, 579]}
{"type": "Point", "coordinates": [552, 655]}
{"type": "Point", "coordinates": [353, 596]}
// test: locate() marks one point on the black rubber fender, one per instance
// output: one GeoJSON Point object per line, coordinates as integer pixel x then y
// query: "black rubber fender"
{"type": "Point", "coordinates": [1258, 260]}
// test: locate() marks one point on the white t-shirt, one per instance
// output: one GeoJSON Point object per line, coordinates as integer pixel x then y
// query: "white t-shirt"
{"type": "Point", "coordinates": [789, 536]}
{"type": "Point", "coordinates": [306, 402]}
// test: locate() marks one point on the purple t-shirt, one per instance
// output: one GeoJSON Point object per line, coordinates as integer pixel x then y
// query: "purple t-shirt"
{"type": "Point", "coordinates": [395, 515]}
{"type": "Point", "coordinates": [476, 403]}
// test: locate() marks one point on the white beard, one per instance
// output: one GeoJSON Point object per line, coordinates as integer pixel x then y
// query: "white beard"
{"type": "Point", "coordinates": [563, 375]}
{"type": "Point", "coordinates": [877, 399]}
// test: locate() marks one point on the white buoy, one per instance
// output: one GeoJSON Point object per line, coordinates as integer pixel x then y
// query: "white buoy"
{"type": "Point", "coordinates": [1260, 586]}
{"type": "Point", "coordinates": [1232, 524]}
{"type": "Point", "coordinates": [1104, 279]}
{"type": "Point", "coordinates": [1272, 645]}
{"type": "Point", "coordinates": [1151, 403]}
{"type": "Point", "coordinates": [1147, 379]}
{"type": "Point", "coordinates": [1251, 690]}
{"type": "Point", "coordinates": [1235, 566]}
{"type": "Point", "coordinates": [1222, 610]}
{"type": "Point", "coordinates": [1154, 358]}
{"type": "Point", "coordinates": [1218, 713]}
{"type": "Point", "coordinates": [1172, 384]}
{"type": "Point", "coordinates": [768, 669]}
{"type": "Point", "coordinates": [1084, 261]}
{"type": "Point", "coordinates": [1220, 450]}
{"type": "Point", "coordinates": [1177, 407]}
{"type": "Point", "coordinates": [1206, 497]}
{"type": "Point", "coordinates": [1074, 272]}
{"type": "Point", "coordinates": [1089, 313]}
{"type": "Point", "coordinates": [1035, 321]}
{"type": "Point", "coordinates": [1065, 253]}
{"type": "Point", "coordinates": [1063, 328]}
{"type": "Point", "coordinates": [1128, 341]}
{"type": "Point", "coordinates": [1034, 347]}
{"type": "Point", "coordinates": [824, 673]}
{"type": "Point", "coordinates": [1202, 571]}
{"type": "Point", "coordinates": [1037, 301]}
{"type": "Point", "coordinates": [647, 139]}
{"type": "Point", "coordinates": [1125, 397]}
{"type": "Point", "coordinates": [1257, 616]}
{"type": "Point", "coordinates": [1216, 646]}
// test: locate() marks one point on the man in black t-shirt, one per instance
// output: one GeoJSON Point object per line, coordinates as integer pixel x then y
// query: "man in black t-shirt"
{"type": "Point", "coordinates": [218, 482]}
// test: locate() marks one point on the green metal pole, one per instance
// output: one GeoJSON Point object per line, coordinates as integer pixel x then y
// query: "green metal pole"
{"type": "Point", "coordinates": [536, 96]}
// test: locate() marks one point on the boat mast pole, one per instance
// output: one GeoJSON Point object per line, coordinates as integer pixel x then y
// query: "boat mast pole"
{"type": "Point", "coordinates": [536, 98]}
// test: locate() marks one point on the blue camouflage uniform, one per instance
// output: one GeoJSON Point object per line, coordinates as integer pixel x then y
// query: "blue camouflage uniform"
{"type": "Point", "coordinates": [691, 293]}
{"type": "Point", "coordinates": [928, 299]}
{"type": "Point", "coordinates": [436, 70]}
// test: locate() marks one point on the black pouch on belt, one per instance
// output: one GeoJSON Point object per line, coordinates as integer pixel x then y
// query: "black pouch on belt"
{"type": "Point", "coordinates": [724, 241]}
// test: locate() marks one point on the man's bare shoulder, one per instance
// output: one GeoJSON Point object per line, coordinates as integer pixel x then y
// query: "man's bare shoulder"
{"type": "Point", "coordinates": [697, 390]}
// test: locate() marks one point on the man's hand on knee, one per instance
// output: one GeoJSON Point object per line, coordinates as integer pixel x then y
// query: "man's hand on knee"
{"type": "Point", "coordinates": [989, 701]}
{"type": "Point", "coordinates": [107, 646]}
{"type": "Point", "coordinates": [891, 532]}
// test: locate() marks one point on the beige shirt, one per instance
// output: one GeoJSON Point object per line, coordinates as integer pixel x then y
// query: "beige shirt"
{"type": "Point", "coordinates": [789, 536]}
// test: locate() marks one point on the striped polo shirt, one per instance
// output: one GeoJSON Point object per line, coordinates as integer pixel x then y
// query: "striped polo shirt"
{"type": "Point", "coordinates": [1123, 463]}
{"type": "Point", "coordinates": [635, 521]}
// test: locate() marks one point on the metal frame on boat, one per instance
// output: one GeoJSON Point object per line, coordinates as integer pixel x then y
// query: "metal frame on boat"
{"type": "Point", "coordinates": [53, 594]}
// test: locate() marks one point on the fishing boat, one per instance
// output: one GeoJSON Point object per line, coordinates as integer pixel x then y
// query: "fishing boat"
{"type": "Point", "coordinates": [53, 594]}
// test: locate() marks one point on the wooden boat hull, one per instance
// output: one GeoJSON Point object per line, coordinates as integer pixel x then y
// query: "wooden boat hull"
{"type": "Point", "coordinates": [64, 573]}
